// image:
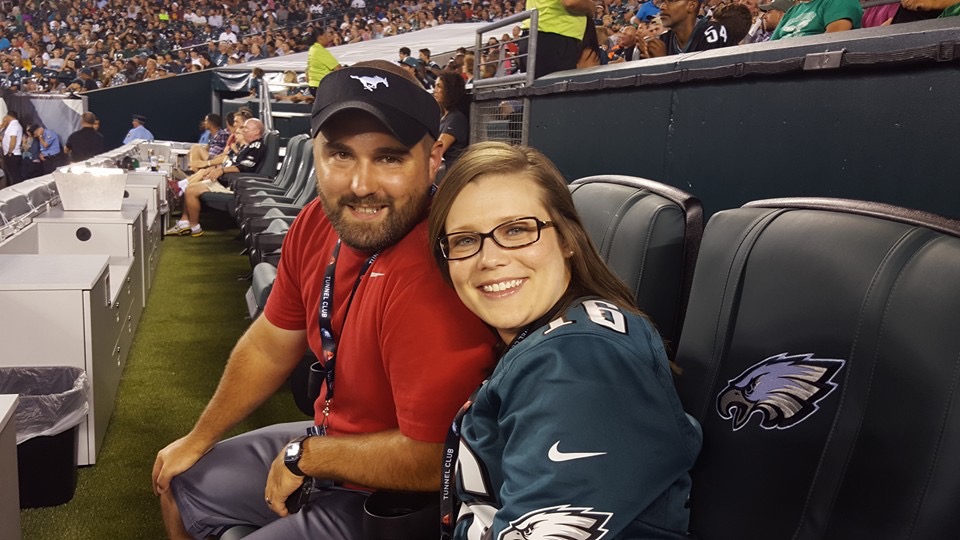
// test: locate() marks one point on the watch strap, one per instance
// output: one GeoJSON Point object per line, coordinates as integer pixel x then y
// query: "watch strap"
{"type": "Point", "coordinates": [293, 461]}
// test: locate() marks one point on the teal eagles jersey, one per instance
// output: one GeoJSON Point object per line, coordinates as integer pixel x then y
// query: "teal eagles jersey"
{"type": "Point", "coordinates": [578, 434]}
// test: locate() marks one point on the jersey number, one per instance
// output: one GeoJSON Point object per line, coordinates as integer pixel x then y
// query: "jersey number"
{"type": "Point", "coordinates": [712, 35]}
{"type": "Point", "coordinates": [603, 313]}
{"type": "Point", "coordinates": [606, 314]}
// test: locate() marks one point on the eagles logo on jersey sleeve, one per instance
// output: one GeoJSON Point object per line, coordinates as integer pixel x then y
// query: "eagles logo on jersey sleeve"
{"type": "Point", "coordinates": [558, 523]}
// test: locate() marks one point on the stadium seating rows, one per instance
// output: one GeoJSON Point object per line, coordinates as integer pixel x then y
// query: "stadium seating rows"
{"type": "Point", "coordinates": [818, 351]}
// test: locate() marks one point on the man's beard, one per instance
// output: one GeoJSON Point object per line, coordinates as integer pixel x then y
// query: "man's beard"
{"type": "Point", "coordinates": [372, 237]}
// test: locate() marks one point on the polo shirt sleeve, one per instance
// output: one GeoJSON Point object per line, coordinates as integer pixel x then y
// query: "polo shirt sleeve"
{"type": "Point", "coordinates": [436, 353]}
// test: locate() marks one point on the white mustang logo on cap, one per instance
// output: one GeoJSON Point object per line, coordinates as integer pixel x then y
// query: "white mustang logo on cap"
{"type": "Point", "coordinates": [371, 83]}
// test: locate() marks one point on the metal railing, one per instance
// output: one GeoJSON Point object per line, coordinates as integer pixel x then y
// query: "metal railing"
{"type": "Point", "coordinates": [526, 63]}
{"type": "Point", "coordinates": [504, 120]}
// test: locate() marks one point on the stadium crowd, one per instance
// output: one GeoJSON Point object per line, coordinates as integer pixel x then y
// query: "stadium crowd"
{"type": "Point", "coordinates": [78, 45]}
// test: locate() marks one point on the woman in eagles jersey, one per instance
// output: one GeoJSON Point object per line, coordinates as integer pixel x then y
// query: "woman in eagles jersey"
{"type": "Point", "coordinates": [578, 433]}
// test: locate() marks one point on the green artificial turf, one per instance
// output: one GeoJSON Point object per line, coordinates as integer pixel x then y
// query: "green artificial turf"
{"type": "Point", "coordinates": [195, 313]}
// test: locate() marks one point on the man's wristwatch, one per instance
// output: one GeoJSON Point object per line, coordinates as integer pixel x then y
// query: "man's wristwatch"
{"type": "Point", "coordinates": [292, 454]}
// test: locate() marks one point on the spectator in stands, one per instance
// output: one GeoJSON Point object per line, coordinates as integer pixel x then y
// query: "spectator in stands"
{"type": "Point", "coordinates": [294, 93]}
{"type": "Point", "coordinates": [30, 164]}
{"type": "Point", "coordinates": [736, 19]}
{"type": "Point", "coordinates": [139, 130]}
{"type": "Point", "coordinates": [561, 26]}
{"type": "Point", "coordinates": [920, 10]}
{"type": "Point", "coordinates": [431, 68]}
{"type": "Point", "coordinates": [11, 76]}
{"type": "Point", "coordinates": [451, 94]}
{"type": "Point", "coordinates": [807, 18]}
{"type": "Point", "coordinates": [626, 47]}
{"type": "Point", "coordinates": [652, 29]}
{"type": "Point", "coordinates": [248, 159]}
{"type": "Point", "coordinates": [881, 15]}
{"type": "Point", "coordinates": [686, 32]}
{"type": "Point", "coordinates": [228, 35]}
{"type": "Point", "coordinates": [253, 83]}
{"type": "Point", "coordinates": [509, 241]}
{"type": "Point", "coordinates": [235, 121]}
{"type": "Point", "coordinates": [201, 154]}
{"type": "Point", "coordinates": [51, 153]}
{"type": "Point", "coordinates": [397, 385]}
{"type": "Point", "coordinates": [770, 17]}
{"type": "Point", "coordinates": [87, 82]}
{"type": "Point", "coordinates": [319, 61]}
{"type": "Point", "coordinates": [12, 146]}
{"type": "Point", "coordinates": [87, 141]}
{"type": "Point", "coordinates": [645, 12]}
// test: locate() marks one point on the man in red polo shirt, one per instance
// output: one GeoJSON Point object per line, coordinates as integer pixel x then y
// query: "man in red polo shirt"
{"type": "Point", "coordinates": [356, 284]}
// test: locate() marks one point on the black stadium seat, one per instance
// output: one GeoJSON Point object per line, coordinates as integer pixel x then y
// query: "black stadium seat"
{"type": "Point", "coordinates": [243, 184]}
{"type": "Point", "coordinates": [649, 234]}
{"type": "Point", "coordinates": [821, 356]}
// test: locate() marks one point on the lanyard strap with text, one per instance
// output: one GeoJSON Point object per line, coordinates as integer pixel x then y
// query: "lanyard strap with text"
{"type": "Point", "coordinates": [327, 340]}
{"type": "Point", "coordinates": [449, 502]}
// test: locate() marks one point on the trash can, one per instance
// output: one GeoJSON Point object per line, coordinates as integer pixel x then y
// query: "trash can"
{"type": "Point", "coordinates": [53, 402]}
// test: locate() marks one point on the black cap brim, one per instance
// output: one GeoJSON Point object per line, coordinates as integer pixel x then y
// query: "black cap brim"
{"type": "Point", "coordinates": [407, 110]}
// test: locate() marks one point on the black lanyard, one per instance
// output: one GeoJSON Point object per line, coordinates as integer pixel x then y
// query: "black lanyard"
{"type": "Point", "coordinates": [327, 341]}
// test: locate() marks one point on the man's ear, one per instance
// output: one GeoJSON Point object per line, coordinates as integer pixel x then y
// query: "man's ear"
{"type": "Point", "coordinates": [436, 158]}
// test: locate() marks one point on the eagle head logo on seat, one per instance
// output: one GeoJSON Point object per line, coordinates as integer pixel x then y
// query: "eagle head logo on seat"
{"type": "Point", "coordinates": [558, 523]}
{"type": "Point", "coordinates": [783, 390]}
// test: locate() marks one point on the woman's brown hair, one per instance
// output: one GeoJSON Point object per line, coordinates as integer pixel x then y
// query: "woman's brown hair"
{"type": "Point", "coordinates": [589, 275]}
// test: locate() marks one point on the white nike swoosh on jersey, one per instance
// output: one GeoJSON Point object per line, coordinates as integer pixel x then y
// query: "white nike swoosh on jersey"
{"type": "Point", "coordinates": [556, 455]}
{"type": "Point", "coordinates": [376, 274]}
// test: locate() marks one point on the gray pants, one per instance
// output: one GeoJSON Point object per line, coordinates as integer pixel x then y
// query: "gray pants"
{"type": "Point", "coordinates": [225, 488]}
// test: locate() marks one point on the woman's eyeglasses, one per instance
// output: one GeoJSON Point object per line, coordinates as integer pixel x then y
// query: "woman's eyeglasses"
{"type": "Point", "coordinates": [513, 234]}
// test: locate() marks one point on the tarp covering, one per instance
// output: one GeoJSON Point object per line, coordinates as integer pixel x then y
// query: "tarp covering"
{"type": "Point", "coordinates": [441, 40]}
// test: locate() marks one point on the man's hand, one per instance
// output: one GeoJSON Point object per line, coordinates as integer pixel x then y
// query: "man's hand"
{"type": "Point", "coordinates": [213, 173]}
{"type": "Point", "coordinates": [280, 484]}
{"type": "Point", "coordinates": [177, 457]}
{"type": "Point", "coordinates": [652, 47]}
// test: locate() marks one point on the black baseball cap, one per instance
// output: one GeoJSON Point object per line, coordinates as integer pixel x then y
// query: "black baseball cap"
{"type": "Point", "coordinates": [403, 106]}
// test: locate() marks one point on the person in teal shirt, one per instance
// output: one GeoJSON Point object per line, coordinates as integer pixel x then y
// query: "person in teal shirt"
{"type": "Point", "coordinates": [819, 17]}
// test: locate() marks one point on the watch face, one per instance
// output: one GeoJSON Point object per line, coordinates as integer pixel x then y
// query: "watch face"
{"type": "Point", "coordinates": [293, 450]}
